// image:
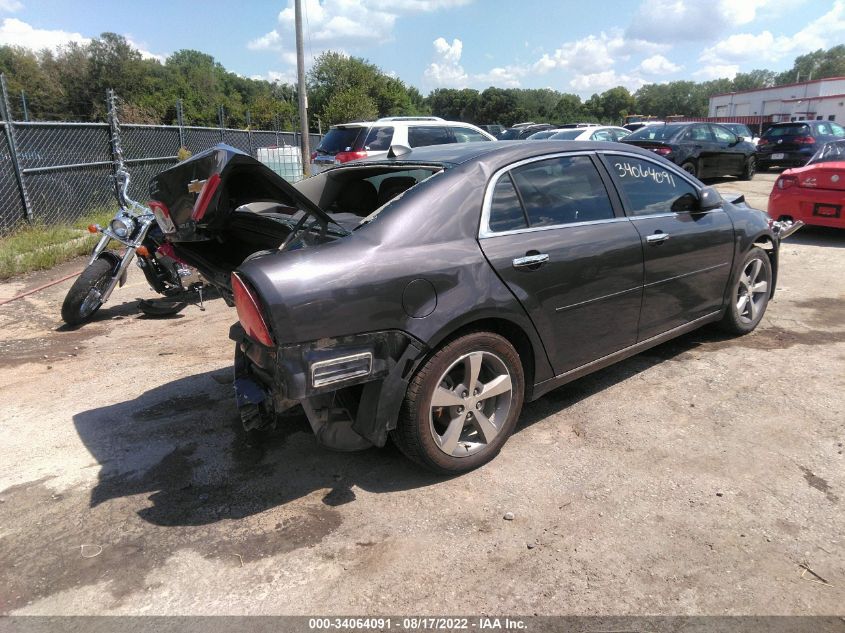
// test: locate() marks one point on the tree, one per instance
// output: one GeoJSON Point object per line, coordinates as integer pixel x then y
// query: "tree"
{"type": "Point", "coordinates": [351, 104]}
{"type": "Point", "coordinates": [568, 109]}
{"type": "Point", "coordinates": [760, 78]}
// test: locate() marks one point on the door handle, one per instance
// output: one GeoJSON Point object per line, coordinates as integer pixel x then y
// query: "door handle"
{"type": "Point", "coordinates": [530, 261]}
{"type": "Point", "coordinates": [657, 238]}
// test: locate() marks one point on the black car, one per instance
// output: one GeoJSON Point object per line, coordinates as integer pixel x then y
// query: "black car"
{"type": "Point", "coordinates": [428, 295]}
{"type": "Point", "coordinates": [793, 144]}
{"type": "Point", "coordinates": [704, 150]}
{"type": "Point", "coordinates": [522, 132]}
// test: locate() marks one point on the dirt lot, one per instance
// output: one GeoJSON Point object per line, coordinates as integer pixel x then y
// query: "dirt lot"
{"type": "Point", "coordinates": [696, 478]}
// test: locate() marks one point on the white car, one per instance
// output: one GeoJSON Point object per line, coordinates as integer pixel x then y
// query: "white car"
{"type": "Point", "coordinates": [354, 141]}
{"type": "Point", "coordinates": [610, 133]}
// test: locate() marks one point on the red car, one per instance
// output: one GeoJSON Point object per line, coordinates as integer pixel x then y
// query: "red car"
{"type": "Point", "coordinates": [814, 193]}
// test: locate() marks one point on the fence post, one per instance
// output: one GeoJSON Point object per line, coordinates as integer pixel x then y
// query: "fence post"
{"type": "Point", "coordinates": [180, 121]}
{"type": "Point", "coordinates": [249, 132]}
{"type": "Point", "coordinates": [23, 103]}
{"type": "Point", "coordinates": [114, 143]}
{"type": "Point", "coordinates": [13, 149]}
{"type": "Point", "coordinates": [221, 121]}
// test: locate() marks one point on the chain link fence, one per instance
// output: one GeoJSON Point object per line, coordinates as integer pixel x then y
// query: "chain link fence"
{"type": "Point", "coordinates": [58, 172]}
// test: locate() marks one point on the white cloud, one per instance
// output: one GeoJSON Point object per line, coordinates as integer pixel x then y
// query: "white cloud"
{"type": "Point", "coordinates": [446, 71]}
{"type": "Point", "coordinates": [501, 77]}
{"type": "Point", "coordinates": [10, 6]}
{"type": "Point", "coordinates": [693, 20]}
{"type": "Point", "coordinates": [141, 47]}
{"type": "Point", "coordinates": [18, 33]}
{"type": "Point", "coordinates": [277, 77]}
{"type": "Point", "coordinates": [588, 55]}
{"type": "Point", "coordinates": [271, 41]}
{"type": "Point", "coordinates": [599, 82]}
{"type": "Point", "coordinates": [658, 65]}
{"type": "Point", "coordinates": [717, 71]}
{"type": "Point", "coordinates": [823, 32]}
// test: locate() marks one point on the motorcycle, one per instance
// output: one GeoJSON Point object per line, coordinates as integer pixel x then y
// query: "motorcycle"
{"type": "Point", "coordinates": [134, 226]}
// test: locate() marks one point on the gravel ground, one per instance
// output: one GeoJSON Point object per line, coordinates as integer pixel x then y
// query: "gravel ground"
{"type": "Point", "coordinates": [696, 478]}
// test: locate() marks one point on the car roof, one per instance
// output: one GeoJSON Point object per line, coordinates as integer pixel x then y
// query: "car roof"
{"type": "Point", "coordinates": [454, 154]}
{"type": "Point", "coordinates": [391, 122]}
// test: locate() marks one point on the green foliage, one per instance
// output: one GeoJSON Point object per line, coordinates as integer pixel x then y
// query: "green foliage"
{"type": "Point", "coordinates": [71, 85]}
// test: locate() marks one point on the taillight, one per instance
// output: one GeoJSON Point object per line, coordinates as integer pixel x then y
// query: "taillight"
{"type": "Point", "coordinates": [313, 156]}
{"type": "Point", "coordinates": [663, 151]}
{"type": "Point", "coordinates": [206, 194]}
{"type": "Point", "coordinates": [785, 182]}
{"type": "Point", "coordinates": [805, 140]}
{"type": "Point", "coordinates": [763, 141]}
{"type": "Point", "coordinates": [249, 314]}
{"type": "Point", "coordinates": [345, 157]}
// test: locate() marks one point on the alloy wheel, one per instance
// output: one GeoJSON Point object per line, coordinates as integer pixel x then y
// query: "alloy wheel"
{"type": "Point", "coordinates": [471, 404]}
{"type": "Point", "coordinates": [752, 291]}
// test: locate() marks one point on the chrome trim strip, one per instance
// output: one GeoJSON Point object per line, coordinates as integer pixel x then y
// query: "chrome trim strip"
{"type": "Point", "coordinates": [694, 272]}
{"type": "Point", "coordinates": [610, 296]}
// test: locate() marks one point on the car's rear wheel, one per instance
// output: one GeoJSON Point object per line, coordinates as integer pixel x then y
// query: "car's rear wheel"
{"type": "Point", "coordinates": [750, 293]}
{"type": "Point", "coordinates": [749, 169]}
{"type": "Point", "coordinates": [690, 168]}
{"type": "Point", "coordinates": [462, 405]}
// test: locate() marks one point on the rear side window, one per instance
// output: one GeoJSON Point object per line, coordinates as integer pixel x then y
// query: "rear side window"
{"type": "Point", "coordinates": [837, 130]}
{"type": "Point", "coordinates": [562, 191]}
{"type": "Point", "coordinates": [602, 135]}
{"type": "Point", "coordinates": [566, 136]}
{"type": "Point", "coordinates": [649, 188]}
{"type": "Point", "coordinates": [342, 139]}
{"type": "Point", "coordinates": [698, 133]}
{"type": "Point", "coordinates": [467, 135]}
{"type": "Point", "coordinates": [428, 135]}
{"type": "Point", "coordinates": [506, 212]}
{"type": "Point", "coordinates": [379, 139]}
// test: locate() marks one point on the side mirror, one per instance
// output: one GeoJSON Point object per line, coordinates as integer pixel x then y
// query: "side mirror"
{"type": "Point", "coordinates": [709, 199]}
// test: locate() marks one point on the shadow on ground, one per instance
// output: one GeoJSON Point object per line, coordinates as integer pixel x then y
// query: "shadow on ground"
{"type": "Point", "coordinates": [183, 443]}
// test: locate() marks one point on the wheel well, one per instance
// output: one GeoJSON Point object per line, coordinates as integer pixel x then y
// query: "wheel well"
{"type": "Point", "coordinates": [767, 244]}
{"type": "Point", "coordinates": [515, 335]}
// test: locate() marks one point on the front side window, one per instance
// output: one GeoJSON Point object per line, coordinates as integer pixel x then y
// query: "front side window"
{"type": "Point", "coordinates": [650, 188]}
{"type": "Point", "coordinates": [723, 135]}
{"type": "Point", "coordinates": [837, 130]}
{"type": "Point", "coordinates": [698, 133]}
{"type": "Point", "coordinates": [421, 136]}
{"type": "Point", "coordinates": [379, 139]}
{"type": "Point", "coordinates": [561, 191]}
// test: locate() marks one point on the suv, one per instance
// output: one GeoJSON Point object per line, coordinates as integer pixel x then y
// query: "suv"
{"type": "Point", "coordinates": [354, 141]}
{"type": "Point", "coordinates": [793, 144]}
{"type": "Point", "coordinates": [522, 131]}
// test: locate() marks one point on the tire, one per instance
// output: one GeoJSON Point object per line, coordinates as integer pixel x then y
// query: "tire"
{"type": "Point", "coordinates": [750, 168]}
{"type": "Point", "coordinates": [81, 302]}
{"type": "Point", "coordinates": [690, 168]}
{"type": "Point", "coordinates": [161, 307]}
{"type": "Point", "coordinates": [464, 431]}
{"type": "Point", "coordinates": [748, 299]}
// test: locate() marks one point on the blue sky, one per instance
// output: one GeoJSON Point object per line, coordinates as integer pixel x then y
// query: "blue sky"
{"type": "Point", "coordinates": [571, 46]}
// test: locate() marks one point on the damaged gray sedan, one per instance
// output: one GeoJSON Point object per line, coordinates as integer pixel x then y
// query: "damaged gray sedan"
{"type": "Point", "coordinates": [428, 295]}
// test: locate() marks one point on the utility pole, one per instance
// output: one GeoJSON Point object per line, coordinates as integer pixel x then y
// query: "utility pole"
{"type": "Point", "coordinates": [303, 97]}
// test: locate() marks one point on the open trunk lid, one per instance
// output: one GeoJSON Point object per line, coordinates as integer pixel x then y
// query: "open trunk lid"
{"type": "Point", "coordinates": [194, 199]}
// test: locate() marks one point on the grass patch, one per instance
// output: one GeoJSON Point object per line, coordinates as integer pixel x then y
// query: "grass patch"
{"type": "Point", "coordinates": [43, 246]}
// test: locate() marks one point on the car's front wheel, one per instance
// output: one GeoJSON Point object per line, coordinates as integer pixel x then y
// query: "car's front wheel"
{"type": "Point", "coordinates": [462, 405]}
{"type": "Point", "coordinates": [750, 293]}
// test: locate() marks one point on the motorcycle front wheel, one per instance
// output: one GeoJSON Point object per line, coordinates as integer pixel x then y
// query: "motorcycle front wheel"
{"type": "Point", "coordinates": [85, 295]}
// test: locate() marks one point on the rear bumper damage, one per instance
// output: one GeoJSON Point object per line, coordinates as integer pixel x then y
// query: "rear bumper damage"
{"type": "Point", "coordinates": [351, 388]}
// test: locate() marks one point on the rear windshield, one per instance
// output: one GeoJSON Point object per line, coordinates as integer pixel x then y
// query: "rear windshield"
{"type": "Point", "coordinates": [341, 139]}
{"type": "Point", "coordinates": [655, 133]}
{"type": "Point", "coordinates": [788, 130]}
{"type": "Point", "coordinates": [568, 135]}
{"type": "Point", "coordinates": [830, 152]}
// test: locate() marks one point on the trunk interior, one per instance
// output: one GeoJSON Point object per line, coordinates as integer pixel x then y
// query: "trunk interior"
{"type": "Point", "coordinates": [348, 195]}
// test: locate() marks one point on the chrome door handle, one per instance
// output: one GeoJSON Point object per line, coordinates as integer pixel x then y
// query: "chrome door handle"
{"type": "Point", "coordinates": [657, 238]}
{"type": "Point", "coordinates": [530, 260]}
